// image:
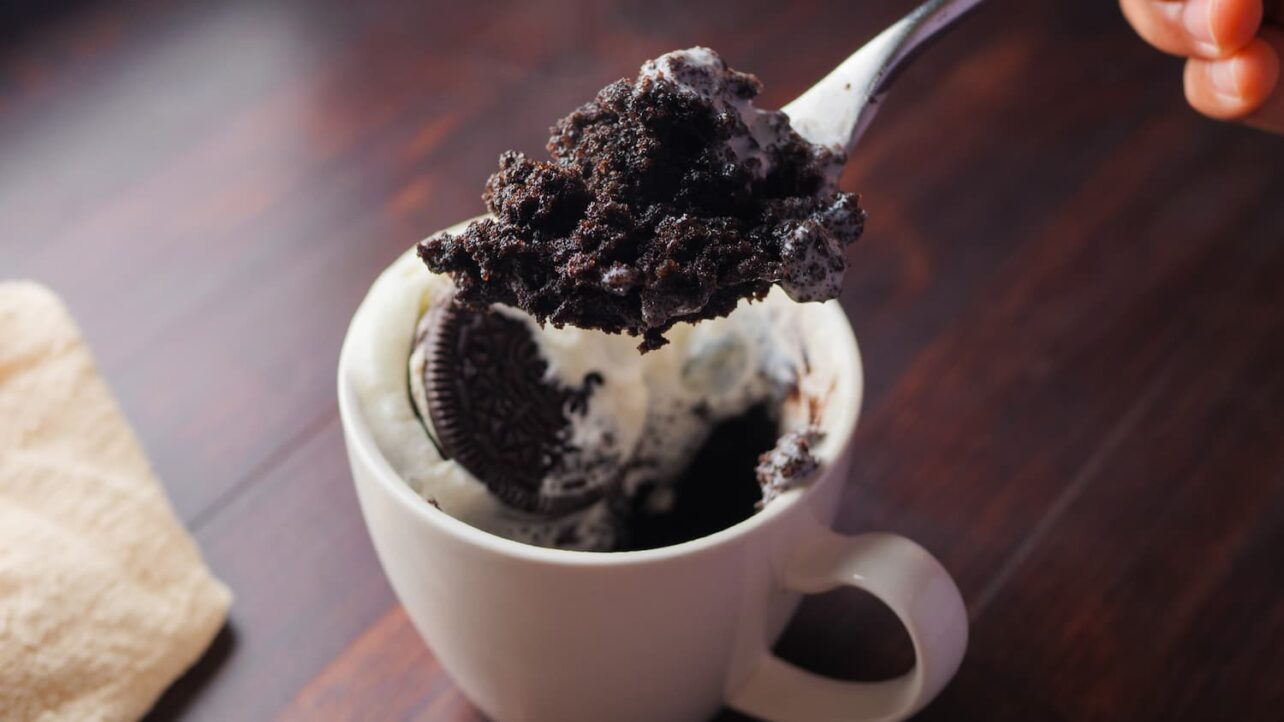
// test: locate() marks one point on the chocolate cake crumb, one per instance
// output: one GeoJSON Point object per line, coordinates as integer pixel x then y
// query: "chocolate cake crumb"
{"type": "Point", "coordinates": [788, 464]}
{"type": "Point", "coordinates": [667, 199]}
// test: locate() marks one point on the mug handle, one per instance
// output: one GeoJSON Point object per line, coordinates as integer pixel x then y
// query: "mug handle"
{"type": "Point", "coordinates": [909, 581]}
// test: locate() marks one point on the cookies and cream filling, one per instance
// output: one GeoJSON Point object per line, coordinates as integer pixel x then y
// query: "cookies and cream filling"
{"type": "Point", "coordinates": [757, 356]}
{"type": "Point", "coordinates": [639, 424]}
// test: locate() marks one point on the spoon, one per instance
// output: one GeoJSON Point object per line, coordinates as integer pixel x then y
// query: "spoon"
{"type": "Point", "coordinates": [836, 111]}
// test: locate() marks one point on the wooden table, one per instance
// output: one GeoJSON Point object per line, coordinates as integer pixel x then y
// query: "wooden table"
{"type": "Point", "coordinates": [1070, 298]}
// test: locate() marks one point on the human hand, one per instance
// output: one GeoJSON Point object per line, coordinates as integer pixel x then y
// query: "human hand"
{"type": "Point", "coordinates": [1234, 49]}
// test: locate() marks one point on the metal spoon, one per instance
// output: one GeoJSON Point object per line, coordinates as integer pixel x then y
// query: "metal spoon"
{"type": "Point", "coordinates": [837, 110]}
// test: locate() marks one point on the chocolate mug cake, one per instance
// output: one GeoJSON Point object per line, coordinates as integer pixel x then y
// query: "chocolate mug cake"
{"type": "Point", "coordinates": [500, 380]}
{"type": "Point", "coordinates": [667, 199]}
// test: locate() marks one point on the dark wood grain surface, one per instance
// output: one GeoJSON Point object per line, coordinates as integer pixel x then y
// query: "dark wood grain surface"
{"type": "Point", "coordinates": [1070, 298]}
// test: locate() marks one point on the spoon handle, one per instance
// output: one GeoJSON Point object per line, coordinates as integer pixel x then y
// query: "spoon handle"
{"type": "Point", "coordinates": [837, 110]}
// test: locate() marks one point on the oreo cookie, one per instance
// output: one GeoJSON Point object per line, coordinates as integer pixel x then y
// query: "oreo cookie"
{"type": "Point", "coordinates": [496, 414]}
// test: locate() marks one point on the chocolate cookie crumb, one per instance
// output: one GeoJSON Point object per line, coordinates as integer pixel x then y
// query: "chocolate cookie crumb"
{"type": "Point", "coordinates": [666, 199]}
{"type": "Point", "coordinates": [788, 464]}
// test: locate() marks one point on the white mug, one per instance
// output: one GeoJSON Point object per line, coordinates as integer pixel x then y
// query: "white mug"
{"type": "Point", "coordinates": [664, 635]}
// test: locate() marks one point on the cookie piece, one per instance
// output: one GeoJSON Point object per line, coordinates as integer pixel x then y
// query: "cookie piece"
{"type": "Point", "coordinates": [496, 414]}
{"type": "Point", "coordinates": [788, 464]}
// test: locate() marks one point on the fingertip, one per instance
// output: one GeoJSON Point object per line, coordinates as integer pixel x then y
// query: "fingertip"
{"type": "Point", "coordinates": [1233, 24]}
{"type": "Point", "coordinates": [1259, 71]}
{"type": "Point", "coordinates": [1234, 87]}
{"type": "Point", "coordinates": [1206, 29]}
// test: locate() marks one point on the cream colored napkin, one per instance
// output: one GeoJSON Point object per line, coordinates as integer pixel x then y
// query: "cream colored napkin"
{"type": "Point", "coordinates": [104, 598]}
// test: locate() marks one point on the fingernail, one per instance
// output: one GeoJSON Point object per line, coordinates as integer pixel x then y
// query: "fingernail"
{"type": "Point", "coordinates": [1224, 77]}
{"type": "Point", "coordinates": [1197, 17]}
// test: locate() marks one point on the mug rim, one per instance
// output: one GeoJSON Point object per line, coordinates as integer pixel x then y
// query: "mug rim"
{"type": "Point", "coordinates": [363, 449]}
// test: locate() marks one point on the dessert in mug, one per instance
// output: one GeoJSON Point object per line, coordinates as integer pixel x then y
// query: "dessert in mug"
{"type": "Point", "coordinates": [499, 381]}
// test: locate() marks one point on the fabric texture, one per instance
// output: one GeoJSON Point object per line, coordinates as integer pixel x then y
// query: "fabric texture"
{"type": "Point", "coordinates": [104, 598]}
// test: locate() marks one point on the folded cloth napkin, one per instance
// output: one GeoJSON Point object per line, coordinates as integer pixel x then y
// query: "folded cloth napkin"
{"type": "Point", "coordinates": [104, 598]}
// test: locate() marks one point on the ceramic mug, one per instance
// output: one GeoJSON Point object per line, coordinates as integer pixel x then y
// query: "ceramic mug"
{"type": "Point", "coordinates": [664, 635]}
